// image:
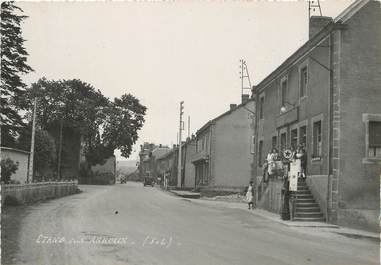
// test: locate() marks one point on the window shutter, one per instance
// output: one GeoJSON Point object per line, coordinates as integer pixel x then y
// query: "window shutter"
{"type": "Point", "coordinates": [375, 134]}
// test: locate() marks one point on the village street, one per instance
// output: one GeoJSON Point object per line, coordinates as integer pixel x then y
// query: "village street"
{"type": "Point", "coordinates": [144, 225]}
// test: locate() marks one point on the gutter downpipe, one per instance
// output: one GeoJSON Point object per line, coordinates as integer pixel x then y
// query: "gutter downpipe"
{"type": "Point", "coordinates": [330, 124]}
{"type": "Point", "coordinates": [255, 156]}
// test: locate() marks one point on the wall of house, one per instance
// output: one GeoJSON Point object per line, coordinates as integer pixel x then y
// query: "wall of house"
{"type": "Point", "coordinates": [22, 158]}
{"type": "Point", "coordinates": [189, 173]}
{"type": "Point", "coordinates": [359, 95]}
{"type": "Point", "coordinates": [204, 149]}
{"type": "Point", "coordinates": [232, 157]}
{"type": "Point", "coordinates": [312, 107]}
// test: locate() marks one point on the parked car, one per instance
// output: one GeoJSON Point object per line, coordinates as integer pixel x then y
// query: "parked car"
{"type": "Point", "coordinates": [148, 181]}
{"type": "Point", "coordinates": [123, 179]}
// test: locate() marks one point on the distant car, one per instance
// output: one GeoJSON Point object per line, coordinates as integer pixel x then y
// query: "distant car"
{"type": "Point", "coordinates": [123, 179]}
{"type": "Point", "coordinates": [148, 181]}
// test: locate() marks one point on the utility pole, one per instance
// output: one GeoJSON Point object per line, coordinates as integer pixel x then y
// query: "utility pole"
{"type": "Point", "coordinates": [245, 78]}
{"type": "Point", "coordinates": [31, 156]}
{"type": "Point", "coordinates": [179, 171]}
{"type": "Point", "coordinates": [188, 126]}
{"type": "Point", "coordinates": [60, 149]}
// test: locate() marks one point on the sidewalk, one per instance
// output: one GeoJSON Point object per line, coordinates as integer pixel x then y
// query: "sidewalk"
{"type": "Point", "coordinates": [186, 194]}
{"type": "Point", "coordinates": [323, 227]}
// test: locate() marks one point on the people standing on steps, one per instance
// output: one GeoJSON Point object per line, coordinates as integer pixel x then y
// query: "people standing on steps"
{"type": "Point", "coordinates": [301, 154]}
{"type": "Point", "coordinates": [270, 168]}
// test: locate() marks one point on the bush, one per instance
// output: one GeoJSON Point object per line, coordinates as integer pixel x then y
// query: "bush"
{"type": "Point", "coordinates": [8, 167]}
{"type": "Point", "coordinates": [11, 201]}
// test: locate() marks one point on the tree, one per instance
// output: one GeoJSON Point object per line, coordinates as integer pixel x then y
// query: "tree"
{"type": "Point", "coordinates": [13, 64]}
{"type": "Point", "coordinates": [125, 118]}
{"type": "Point", "coordinates": [45, 148]}
{"type": "Point", "coordinates": [103, 124]}
{"type": "Point", "coordinates": [8, 167]}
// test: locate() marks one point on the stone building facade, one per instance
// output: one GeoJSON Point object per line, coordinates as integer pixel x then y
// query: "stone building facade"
{"type": "Point", "coordinates": [327, 97]}
{"type": "Point", "coordinates": [223, 155]}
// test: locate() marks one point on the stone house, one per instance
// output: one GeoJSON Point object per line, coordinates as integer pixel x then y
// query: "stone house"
{"type": "Point", "coordinates": [17, 156]}
{"type": "Point", "coordinates": [327, 96]}
{"type": "Point", "coordinates": [223, 155]}
{"type": "Point", "coordinates": [188, 169]}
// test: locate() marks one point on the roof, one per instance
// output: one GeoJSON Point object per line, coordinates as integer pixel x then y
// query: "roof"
{"type": "Point", "coordinates": [14, 150]}
{"type": "Point", "coordinates": [351, 10]}
{"type": "Point", "coordinates": [337, 23]}
{"type": "Point", "coordinates": [206, 125]}
{"type": "Point", "coordinates": [159, 151]}
{"type": "Point", "coordinates": [165, 155]}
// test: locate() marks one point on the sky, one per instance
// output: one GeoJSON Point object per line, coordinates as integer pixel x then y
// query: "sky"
{"type": "Point", "coordinates": [166, 52]}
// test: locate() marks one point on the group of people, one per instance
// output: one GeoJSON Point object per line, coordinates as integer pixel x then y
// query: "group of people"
{"type": "Point", "coordinates": [274, 162]}
{"type": "Point", "coordinates": [273, 165]}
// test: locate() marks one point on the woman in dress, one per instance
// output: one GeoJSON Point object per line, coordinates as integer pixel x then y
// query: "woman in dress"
{"type": "Point", "coordinates": [301, 154]}
{"type": "Point", "coordinates": [271, 157]}
{"type": "Point", "coordinates": [250, 195]}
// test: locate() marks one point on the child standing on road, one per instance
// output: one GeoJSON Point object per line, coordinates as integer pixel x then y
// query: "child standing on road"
{"type": "Point", "coordinates": [250, 195]}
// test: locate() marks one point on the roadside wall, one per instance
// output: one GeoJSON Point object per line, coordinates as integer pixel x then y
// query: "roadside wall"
{"type": "Point", "coordinates": [29, 193]}
{"type": "Point", "coordinates": [271, 198]}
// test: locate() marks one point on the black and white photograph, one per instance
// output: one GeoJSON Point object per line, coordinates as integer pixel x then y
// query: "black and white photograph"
{"type": "Point", "coordinates": [188, 132]}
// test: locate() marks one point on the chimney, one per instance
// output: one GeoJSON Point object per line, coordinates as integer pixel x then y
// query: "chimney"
{"type": "Point", "coordinates": [317, 23]}
{"type": "Point", "coordinates": [253, 91]}
{"type": "Point", "coordinates": [245, 98]}
{"type": "Point", "coordinates": [233, 106]}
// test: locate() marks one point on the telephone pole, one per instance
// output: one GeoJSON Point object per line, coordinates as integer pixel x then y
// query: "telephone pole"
{"type": "Point", "coordinates": [31, 156]}
{"type": "Point", "coordinates": [179, 171]}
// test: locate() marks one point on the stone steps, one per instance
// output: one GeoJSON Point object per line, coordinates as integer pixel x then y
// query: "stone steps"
{"type": "Point", "coordinates": [306, 208]}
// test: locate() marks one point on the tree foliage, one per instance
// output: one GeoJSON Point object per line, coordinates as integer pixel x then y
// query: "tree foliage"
{"type": "Point", "coordinates": [104, 125]}
{"type": "Point", "coordinates": [13, 63]}
{"type": "Point", "coordinates": [44, 148]}
{"type": "Point", "coordinates": [8, 167]}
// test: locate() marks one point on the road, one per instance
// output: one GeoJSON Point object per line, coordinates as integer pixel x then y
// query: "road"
{"type": "Point", "coordinates": [144, 225]}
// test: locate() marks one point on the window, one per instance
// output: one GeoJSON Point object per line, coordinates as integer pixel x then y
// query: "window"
{"type": "Point", "coordinates": [294, 138]}
{"type": "Point", "coordinates": [205, 173]}
{"type": "Point", "coordinates": [260, 151]}
{"type": "Point", "coordinates": [252, 144]}
{"type": "Point", "coordinates": [303, 81]}
{"type": "Point", "coordinates": [261, 104]}
{"type": "Point", "coordinates": [317, 140]}
{"type": "Point", "coordinates": [283, 141]}
{"type": "Point", "coordinates": [303, 136]}
{"type": "Point", "coordinates": [283, 87]}
{"type": "Point", "coordinates": [374, 146]}
{"type": "Point", "coordinates": [274, 142]}
{"type": "Point", "coordinates": [207, 141]}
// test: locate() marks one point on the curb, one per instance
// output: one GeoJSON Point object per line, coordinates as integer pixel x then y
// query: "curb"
{"type": "Point", "coordinates": [348, 232]}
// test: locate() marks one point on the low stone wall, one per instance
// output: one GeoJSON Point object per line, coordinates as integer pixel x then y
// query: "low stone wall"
{"type": "Point", "coordinates": [28, 193]}
{"type": "Point", "coordinates": [271, 196]}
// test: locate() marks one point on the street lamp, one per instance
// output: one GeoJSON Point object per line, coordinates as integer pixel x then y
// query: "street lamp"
{"type": "Point", "coordinates": [283, 109]}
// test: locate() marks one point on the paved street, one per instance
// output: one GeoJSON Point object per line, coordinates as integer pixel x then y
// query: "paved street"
{"type": "Point", "coordinates": [150, 226]}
